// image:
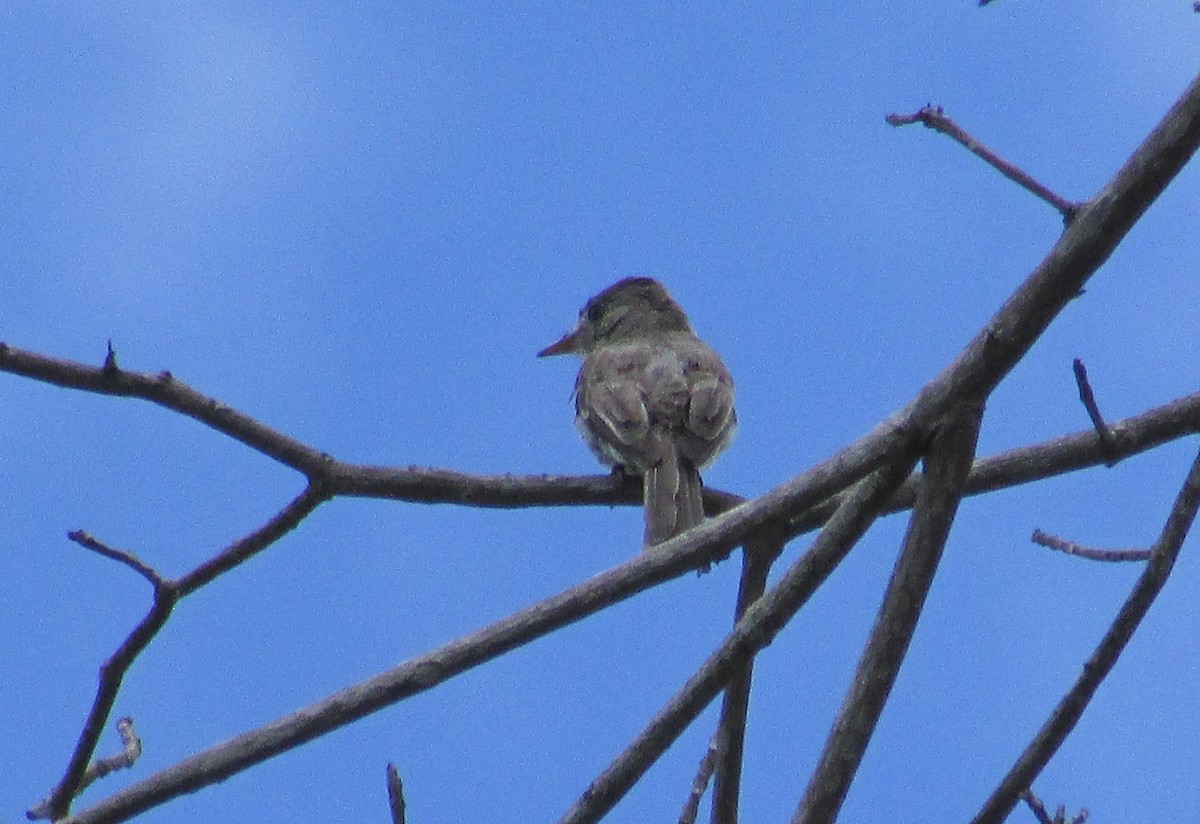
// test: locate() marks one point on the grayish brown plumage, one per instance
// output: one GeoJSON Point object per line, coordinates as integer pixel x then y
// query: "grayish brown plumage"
{"type": "Point", "coordinates": [651, 397]}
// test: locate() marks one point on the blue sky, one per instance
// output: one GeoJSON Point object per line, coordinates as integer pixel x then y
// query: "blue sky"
{"type": "Point", "coordinates": [358, 224]}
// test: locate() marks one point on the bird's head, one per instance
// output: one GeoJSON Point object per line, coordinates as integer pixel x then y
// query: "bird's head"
{"type": "Point", "coordinates": [631, 309]}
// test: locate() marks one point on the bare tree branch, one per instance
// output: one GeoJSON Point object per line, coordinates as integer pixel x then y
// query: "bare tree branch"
{"type": "Point", "coordinates": [433, 485]}
{"type": "Point", "coordinates": [730, 737]}
{"type": "Point", "coordinates": [1089, 402]}
{"type": "Point", "coordinates": [1043, 817]}
{"type": "Point", "coordinates": [112, 673]}
{"type": "Point", "coordinates": [251, 544]}
{"type": "Point", "coordinates": [946, 468]}
{"type": "Point", "coordinates": [1010, 468]}
{"type": "Point", "coordinates": [1050, 458]}
{"type": "Point", "coordinates": [1072, 548]}
{"type": "Point", "coordinates": [694, 549]}
{"type": "Point", "coordinates": [131, 750]}
{"type": "Point", "coordinates": [166, 594]}
{"type": "Point", "coordinates": [1028, 463]}
{"type": "Point", "coordinates": [697, 548]}
{"type": "Point", "coordinates": [933, 117]}
{"type": "Point", "coordinates": [1070, 709]}
{"type": "Point", "coordinates": [163, 390]}
{"type": "Point", "coordinates": [704, 773]}
{"type": "Point", "coordinates": [758, 627]}
{"type": "Point", "coordinates": [1096, 229]}
{"type": "Point", "coordinates": [130, 560]}
{"type": "Point", "coordinates": [395, 790]}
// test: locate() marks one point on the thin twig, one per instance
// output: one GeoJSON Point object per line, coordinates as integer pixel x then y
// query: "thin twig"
{"type": "Point", "coordinates": [395, 790]}
{"type": "Point", "coordinates": [81, 771]}
{"type": "Point", "coordinates": [250, 545]}
{"type": "Point", "coordinates": [1089, 399]}
{"type": "Point", "coordinates": [1042, 814]}
{"type": "Point", "coordinates": [1070, 709]}
{"type": "Point", "coordinates": [112, 672]}
{"type": "Point", "coordinates": [166, 594]}
{"type": "Point", "coordinates": [1039, 809]}
{"type": "Point", "coordinates": [110, 359]}
{"type": "Point", "coordinates": [934, 118]}
{"type": "Point", "coordinates": [1072, 548]}
{"type": "Point", "coordinates": [691, 807]}
{"type": "Point", "coordinates": [131, 750]}
{"type": "Point", "coordinates": [1089, 402]}
{"type": "Point", "coordinates": [130, 560]}
{"type": "Point", "coordinates": [946, 468]}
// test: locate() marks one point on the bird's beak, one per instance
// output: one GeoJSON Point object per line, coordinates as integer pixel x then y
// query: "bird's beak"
{"type": "Point", "coordinates": [567, 344]}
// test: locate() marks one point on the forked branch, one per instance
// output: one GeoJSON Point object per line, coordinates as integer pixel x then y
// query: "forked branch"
{"type": "Point", "coordinates": [946, 466]}
{"type": "Point", "coordinates": [757, 628]}
{"type": "Point", "coordinates": [1070, 709]}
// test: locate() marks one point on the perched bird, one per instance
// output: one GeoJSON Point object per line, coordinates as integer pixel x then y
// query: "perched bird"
{"type": "Point", "coordinates": [650, 398]}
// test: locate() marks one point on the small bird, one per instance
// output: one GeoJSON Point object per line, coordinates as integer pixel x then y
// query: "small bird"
{"type": "Point", "coordinates": [651, 398]}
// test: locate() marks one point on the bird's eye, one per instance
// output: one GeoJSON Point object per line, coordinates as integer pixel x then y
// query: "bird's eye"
{"type": "Point", "coordinates": [593, 311]}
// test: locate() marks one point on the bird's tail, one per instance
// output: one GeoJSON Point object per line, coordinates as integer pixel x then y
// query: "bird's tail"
{"type": "Point", "coordinates": [671, 492]}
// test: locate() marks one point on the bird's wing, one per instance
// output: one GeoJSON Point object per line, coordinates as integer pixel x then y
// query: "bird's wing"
{"type": "Point", "coordinates": [711, 419]}
{"type": "Point", "coordinates": [616, 407]}
{"type": "Point", "coordinates": [711, 407]}
{"type": "Point", "coordinates": [611, 410]}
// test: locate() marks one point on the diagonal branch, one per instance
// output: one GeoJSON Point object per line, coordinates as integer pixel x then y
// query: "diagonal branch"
{"type": "Point", "coordinates": [121, 556]}
{"type": "Point", "coordinates": [708, 764]}
{"type": "Point", "coordinates": [1090, 237]}
{"type": "Point", "coordinates": [1070, 709]}
{"type": "Point", "coordinates": [1054, 457]}
{"type": "Point", "coordinates": [164, 390]}
{"type": "Point", "coordinates": [946, 467]}
{"type": "Point", "coordinates": [395, 790]}
{"type": "Point", "coordinates": [1088, 398]}
{"type": "Point", "coordinates": [933, 117]}
{"type": "Point", "coordinates": [112, 673]}
{"type": "Point", "coordinates": [731, 729]}
{"type": "Point", "coordinates": [758, 627]}
{"type": "Point", "coordinates": [131, 751]}
{"type": "Point", "coordinates": [694, 549]}
{"type": "Point", "coordinates": [251, 544]}
{"type": "Point", "coordinates": [167, 593]}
